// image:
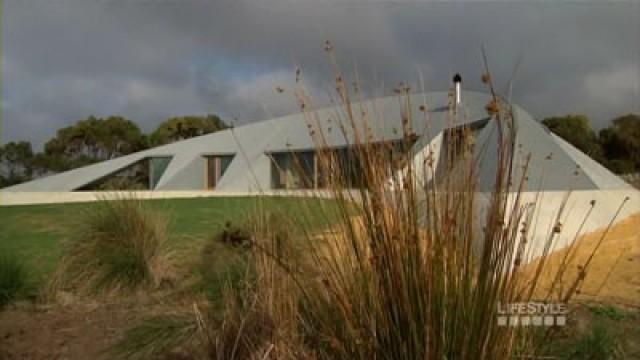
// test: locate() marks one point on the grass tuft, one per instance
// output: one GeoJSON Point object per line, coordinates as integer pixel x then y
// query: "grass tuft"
{"type": "Point", "coordinates": [116, 245]}
{"type": "Point", "coordinates": [13, 279]}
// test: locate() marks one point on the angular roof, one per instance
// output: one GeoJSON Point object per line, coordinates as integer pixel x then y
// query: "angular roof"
{"type": "Point", "coordinates": [250, 169]}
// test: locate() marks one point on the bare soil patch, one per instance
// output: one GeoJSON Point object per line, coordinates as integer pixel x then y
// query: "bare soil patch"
{"type": "Point", "coordinates": [75, 330]}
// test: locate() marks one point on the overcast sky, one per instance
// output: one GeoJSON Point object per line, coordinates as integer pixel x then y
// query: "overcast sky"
{"type": "Point", "coordinates": [150, 59]}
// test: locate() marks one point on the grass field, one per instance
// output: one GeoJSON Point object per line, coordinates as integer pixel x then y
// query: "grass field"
{"type": "Point", "coordinates": [35, 233]}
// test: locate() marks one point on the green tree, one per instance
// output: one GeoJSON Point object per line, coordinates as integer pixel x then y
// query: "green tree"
{"type": "Point", "coordinates": [16, 162]}
{"type": "Point", "coordinates": [621, 144]}
{"type": "Point", "coordinates": [577, 131]}
{"type": "Point", "coordinates": [92, 140]}
{"type": "Point", "coordinates": [185, 127]}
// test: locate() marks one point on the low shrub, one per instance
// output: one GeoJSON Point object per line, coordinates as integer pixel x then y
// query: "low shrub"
{"type": "Point", "coordinates": [608, 311]}
{"type": "Point", "coordinates": [599, 342]}
{"type": "Point", "coordinates": [234, 235]}
{"type": "Point", "coordinates": [223, 261]}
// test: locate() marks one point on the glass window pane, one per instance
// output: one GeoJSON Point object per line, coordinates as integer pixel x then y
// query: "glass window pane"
{"type": "Point", "coordinates": [157, 167]}
{"type": "Point", "coordinates": [216, 165]}
{"type": "Point", "coordinates": [293, 170]}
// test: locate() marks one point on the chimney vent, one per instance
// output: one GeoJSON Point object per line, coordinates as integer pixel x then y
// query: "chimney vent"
{"type": "Point", "coordinates": [457, 82]}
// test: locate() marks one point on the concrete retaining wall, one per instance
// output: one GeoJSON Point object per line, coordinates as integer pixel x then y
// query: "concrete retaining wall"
{"type": "Point", "coordinates": [33, 198]}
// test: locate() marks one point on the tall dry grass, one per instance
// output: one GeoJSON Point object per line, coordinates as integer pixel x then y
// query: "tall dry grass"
{"type": "Point", "coordinates": [414, 267]}
{"type": "Point", "coordinates": [260, 317]}
{"type": "Point", "coordinates": [414, 272]}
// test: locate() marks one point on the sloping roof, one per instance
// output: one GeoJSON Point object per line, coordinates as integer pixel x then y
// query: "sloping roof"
{"type": "Point", "coordinates": [552, 164]}
{"type": "Point", "coordinates": [251, 144]}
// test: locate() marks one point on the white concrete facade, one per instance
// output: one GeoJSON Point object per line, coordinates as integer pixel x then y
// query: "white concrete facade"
{"type": "Point", "coordinates": [555, 169]}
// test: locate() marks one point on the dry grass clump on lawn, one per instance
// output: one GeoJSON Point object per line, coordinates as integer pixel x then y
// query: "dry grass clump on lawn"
{"type": "Point", "coordinates": [116, 245]}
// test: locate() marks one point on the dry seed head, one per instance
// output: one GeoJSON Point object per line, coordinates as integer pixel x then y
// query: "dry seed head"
{"type": "Point", "coordinates": [492, 107]}
{"type": "Point", "coordinates": [582, 274]}
{"type": "Point", "coordinates": [486, 78]}
{"type": "Point", "coordinates": [557, 228]}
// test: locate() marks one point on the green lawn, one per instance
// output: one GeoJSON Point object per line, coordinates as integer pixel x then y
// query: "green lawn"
{"type": "Point", "coordinates": [35, 233]}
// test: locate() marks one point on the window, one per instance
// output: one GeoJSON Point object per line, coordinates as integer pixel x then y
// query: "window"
{"type": "Point", "coordinates": [294, 170]}
{"type": "Point", "coordinates": [157, 166]}
{"type": "Point", "coordinates": [308, 170]}
{"type": "Point", "coordinates": [215, 166]}
{"type": "Point", "coordinates": [141, 175]}
{"type": "Point", "coordinates": [458, 146]}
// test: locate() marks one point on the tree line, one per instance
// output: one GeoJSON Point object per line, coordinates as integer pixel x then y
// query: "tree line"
{"type": "Point", "coordinates": [93, 140]}
{"type": "Point", "coordinates": [97, 139]}
{"type": "Point", "coordinates": [617, 146]}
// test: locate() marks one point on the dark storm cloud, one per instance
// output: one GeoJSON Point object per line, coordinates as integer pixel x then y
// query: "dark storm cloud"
{"type": "Point", "coordinates": [146, 59]}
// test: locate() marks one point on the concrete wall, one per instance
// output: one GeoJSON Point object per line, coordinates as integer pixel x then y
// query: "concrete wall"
{"type": "Point", "coordinates": [574, 212]}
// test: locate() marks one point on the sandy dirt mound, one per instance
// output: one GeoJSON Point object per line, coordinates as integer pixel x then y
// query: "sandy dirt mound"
{"type": "Point", "coordinates": [614, 273]}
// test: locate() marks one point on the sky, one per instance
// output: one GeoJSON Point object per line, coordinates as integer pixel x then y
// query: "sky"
{"type": "Point", "coordinates": [147, 60]}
